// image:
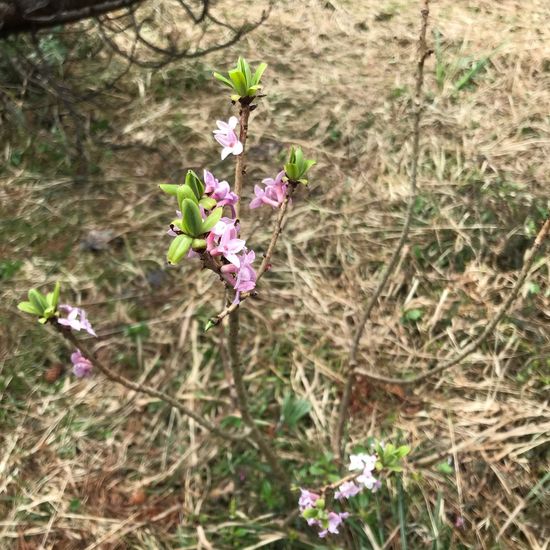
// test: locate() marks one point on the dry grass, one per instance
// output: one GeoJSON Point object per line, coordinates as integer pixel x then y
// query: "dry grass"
{"type": "Point", "coordinates": [84, 464]}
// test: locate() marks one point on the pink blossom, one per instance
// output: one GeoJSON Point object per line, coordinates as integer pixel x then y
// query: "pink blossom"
{"type": "Point", "coordinates": [76, 319]}
{"type": "Point", "coordinates": [334, 521]}
{"type": "Point", "coordinates": [226, 137]}
{"type": "Point", "coordinates": [246, 276]}
{"type": "Point", "coordinates": [82, 367]}
{"type": "Point", "coordinates": [219, 190]}
{"type": "Point", "coordinates": [346, 490]}
{"type": "Point", "coordinates": [307, 499]}
{"type": "Point", "coordinates": [228, 247]}
{"type": "Point", "coordinates": [273, 194]}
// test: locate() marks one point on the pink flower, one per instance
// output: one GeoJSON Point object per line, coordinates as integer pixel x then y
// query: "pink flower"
{"type": "Point", "coordinates": [246, 276]}
{"type": "Point", "coordinates": [346, 490]}
{"type": "Point", "coordinates": [334, 521]}
{"type": "Point", "coordinates": [226, 137]}
{"type": "Point", "coordinates": [76, 319]}
{"type": "Point", "coordinates": [307, 499]}
{"type": "Point", "coordinates": [219, 190]}
{"type": "Point", "coordinates": [82, 367]}
{"type": "Point", "coordinates": [273, 194]}
{"type": "Point", "coordinates": [228, 246]}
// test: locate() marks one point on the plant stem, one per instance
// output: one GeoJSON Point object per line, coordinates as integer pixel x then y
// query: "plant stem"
{"type": "Point", "coordinates": [116, 377]}
{"type": "Point", "coordinates": [423, 52]}
{"type": "Point", "coordinates": [240, 166]}
{"type": "Point", "coordinates": [234, 342]}
{"type": "Point", "coordinates": [242, 398]}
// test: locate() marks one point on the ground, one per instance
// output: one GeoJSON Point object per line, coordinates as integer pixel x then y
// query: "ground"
{"type": "Point", "coordinates": [88, 464]}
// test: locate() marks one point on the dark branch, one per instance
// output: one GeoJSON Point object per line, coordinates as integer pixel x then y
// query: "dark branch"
{"type": "Point", "coordinates": [18, 16]}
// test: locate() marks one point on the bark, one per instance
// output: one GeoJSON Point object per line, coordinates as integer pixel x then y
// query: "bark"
{"type": "Point", "coordinates": [17, 16]}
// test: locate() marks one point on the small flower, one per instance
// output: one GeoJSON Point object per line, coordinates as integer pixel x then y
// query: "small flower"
{"type": "Point", "coordinates": [334, 521]}
{"type": "Point", "coordinates": [363, 462]}
{"type": "Point", "coordinates": [226, 137]}
{"type": "Point", "coordinates": [307, 499]}
{"type": "Point", "coordinates": [273, 194]}
{"type": "Point", "coordinates": [76, 319]}
{"type": "Point", "coordinates": [219, 190]}
{"type": "Point", "coordinates": [368, 480]}
{"type": "Point", "coordinates": [246, 276]}
{"type": "Point", "coordinates": [228, 247]}
{"type": "Point", "coordinates": [82, 367]}
{"type": "Point", "coordinates": [346, 490]}
{"type": "Point", "coordinates": [459, 522]}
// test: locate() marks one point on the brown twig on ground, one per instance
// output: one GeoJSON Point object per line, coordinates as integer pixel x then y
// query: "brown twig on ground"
{"type": "Point", "coordinates": [264, 267]}
{"type": "Point", "coordinates": [423, 53]}
{"type": "Point", "coordinates": [234, 342]}
{"type": "Point", "coordinates": [472, 346]}
{"type": "Point", "coordinates": [116, 377]}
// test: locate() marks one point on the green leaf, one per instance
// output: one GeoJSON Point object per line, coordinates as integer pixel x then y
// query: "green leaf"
{"type": "Point", "coordinates": [191, 218]}
{"type": "Point", "coordinates": [38, 300]}
{"type": "Point", "coordinates": [258, 74]}
{"type": "Point", "coordinates": [198, 244]}
{"type": "Point", "coordinates": [170, 188]}
{"type": "Point", "coordinates": [27, 307]}
{"type": "Point", "coordinates": [212, 220]}
{"type": "Point", "coordinates": [208, 203]}
{"type": "Point", "coordinates": [402, 451]}
{"type": "Point", "coordinates": [178, 248]}
{"type": "Point", "coordinates": [195, 184]}
{"type": "Point", "coordinates": [245, 69]}
{"type": "Point", "coordinates": [185, 192]}
{"type": "Point", "coordinates": [223, 79]}
{"type": "Point", "coordinates": [310, 513]}
{"type": "Point", "coordinates": [239, 82]}
{"type": "Point", "coordinates": [53, 297]}
{"type": "Point", "coordinates": [252, 90]}
{"type": "Point", "coordinates": [293, 410]}
{"type": "Point", "coordinates": [444, 468]}
{"type": "Point", "coordinates": [413, 314]}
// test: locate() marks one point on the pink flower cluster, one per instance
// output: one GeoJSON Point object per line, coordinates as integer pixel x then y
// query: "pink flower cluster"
{"type": "Point", "coordinates": [273, 194]}
{"type": "Point", "coordinates": [329, 521]}
{"type": "Point", "coordinates": [77, 319]}
{"type": "Point", "coordinates": [308, 500]}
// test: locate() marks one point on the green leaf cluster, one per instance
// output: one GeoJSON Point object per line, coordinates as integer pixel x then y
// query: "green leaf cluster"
{"type": "Point", "coordinates": [390, 457]}
{"type": "Point", "coordinates": [191, 197]}
{"type": "Point", "coordinates": [44, 306]}
{"type": "Point", "coordinates": [297, 166]}
{"type": "Point", "coordinates": [241, 80]}
{"type": "Point", "coordinates": [293, 410]}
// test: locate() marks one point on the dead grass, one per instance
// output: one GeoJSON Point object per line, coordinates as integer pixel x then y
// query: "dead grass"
{"type": "Point", "coordinates": [86, 465]}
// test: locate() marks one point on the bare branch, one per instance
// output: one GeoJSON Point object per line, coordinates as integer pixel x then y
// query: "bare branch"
{"type": "Point", "coordinates": [116, 377]}
{"type": "Point", "coordinates": [474, 344]}
{"type": "Point", "coordinates": [423, 54]}
{"type": "Point", "coordinates": [19, 16]}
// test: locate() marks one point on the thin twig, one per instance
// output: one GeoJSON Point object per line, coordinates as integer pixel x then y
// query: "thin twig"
{"type": "Point", "coordinates": [116, 377]}
{"type": "Point", "coordinates": [234, 341]}
{"type": "Point", "coordinates": [473, 345]}
{"type": "Point", "coordinates": [423, 53]}
{"type": "Point", "coordinates": [255, 434]}
{"type": "Point", "coordinates": [240, 167]}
